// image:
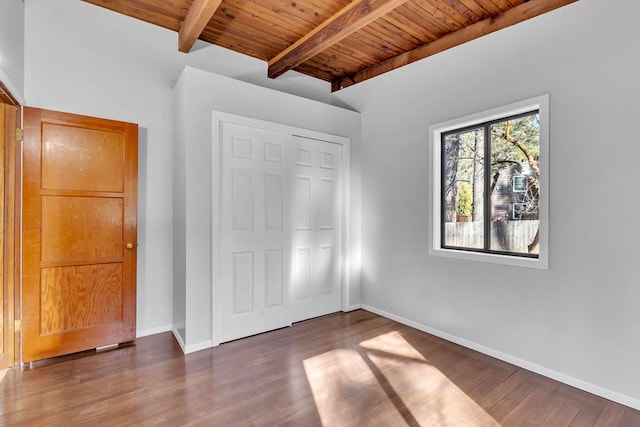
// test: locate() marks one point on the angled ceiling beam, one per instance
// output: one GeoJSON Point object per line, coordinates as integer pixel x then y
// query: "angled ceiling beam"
{"type": "Point", "coordinates": [506, 19]}
{"type": "Point", "coordinates": [197, 18]}
{"type": "Point", "coordinates": [347, 21]}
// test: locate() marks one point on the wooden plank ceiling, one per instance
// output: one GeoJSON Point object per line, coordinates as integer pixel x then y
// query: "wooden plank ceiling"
{"type": "Point", "coordinates": [340, 41]}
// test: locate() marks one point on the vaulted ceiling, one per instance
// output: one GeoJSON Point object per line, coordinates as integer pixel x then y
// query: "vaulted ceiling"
{"type": "Point", "coordinates": [340, 41]}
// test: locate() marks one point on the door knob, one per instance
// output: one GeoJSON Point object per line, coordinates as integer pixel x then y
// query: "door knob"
{"type": "Point", "coordinates": [129, 245]}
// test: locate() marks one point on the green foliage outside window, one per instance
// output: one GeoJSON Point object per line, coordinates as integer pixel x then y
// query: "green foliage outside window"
{"type": "Point", "coordinates": [465, 200]}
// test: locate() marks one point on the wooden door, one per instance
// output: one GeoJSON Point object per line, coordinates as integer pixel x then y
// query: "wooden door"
{"type": "Point", "coordinates": [79, 233]}
{"type": "Point", "coordinates": [254, 259]}
{"type": "Point", "coordinates": [316, 288]}
{"type": "Point", "coordinates": [9, 117]}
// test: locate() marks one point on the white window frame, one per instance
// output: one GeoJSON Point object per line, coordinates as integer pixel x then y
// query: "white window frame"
{"type": "Point", "coordinates": [540, 103]}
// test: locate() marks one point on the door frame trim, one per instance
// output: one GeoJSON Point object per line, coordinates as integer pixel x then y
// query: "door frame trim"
{"type": "Point", "coordinates": [11, 92]}
{"type": "Point", "coordinates": [11, 280]}
{"type": "Point", "coordinates": [219, 117]}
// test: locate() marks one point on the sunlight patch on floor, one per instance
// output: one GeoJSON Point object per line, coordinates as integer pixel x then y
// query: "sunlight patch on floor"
{"type": "Point", "coordinates": [387, 382]}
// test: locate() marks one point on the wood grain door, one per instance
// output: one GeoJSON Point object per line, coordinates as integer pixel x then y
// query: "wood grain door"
{"type": "Point", "coordinates": [79, 233]}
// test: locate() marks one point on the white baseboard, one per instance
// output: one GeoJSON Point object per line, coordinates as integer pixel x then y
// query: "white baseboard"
{"type": "Point", "coordinates": [197, 347]}
{"type": "Point", "coordinates": [178, 338]}
{"type": "Point", "coordinates": [353, 307]}
{"type": "Point", "coordinates": [549, 373]}
{"type": "Point", "coordinates": [186, 349]}
{"type": "Point", "coordinates": [153, 331]}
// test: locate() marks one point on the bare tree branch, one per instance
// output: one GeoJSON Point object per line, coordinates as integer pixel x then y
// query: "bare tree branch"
{"type": "Point", "coordinates": [506, 135]}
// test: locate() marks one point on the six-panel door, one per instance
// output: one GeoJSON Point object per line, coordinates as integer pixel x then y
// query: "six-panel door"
{"type": "Point", "coordinates": [280, 249]}
{"type": "Point", "coordinates": [254, 259]}
{"type": "Point", "coordinates": [316, 229]}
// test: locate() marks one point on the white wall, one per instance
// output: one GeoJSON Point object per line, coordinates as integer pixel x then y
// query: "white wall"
{"type": "Point", "coordinates": [580, 320]}
{"type": "Point", "coordinates": [199, 93]}
{"type": "Point", "coordinates": [84, 59]}
{"type": "Point", "coordinates": [12, 47]}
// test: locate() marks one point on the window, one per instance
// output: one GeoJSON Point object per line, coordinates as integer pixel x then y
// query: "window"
{"type": "Point", "coordinates": [520, 182]}
{"type": "Point", "coordinates": [489, 189]}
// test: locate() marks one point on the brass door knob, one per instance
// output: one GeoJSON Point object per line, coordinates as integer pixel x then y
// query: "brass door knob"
{"type": "Point", "coordinates": [129, 245]}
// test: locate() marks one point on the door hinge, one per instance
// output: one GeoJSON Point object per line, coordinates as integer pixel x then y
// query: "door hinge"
{"type": "Point", "coordinates": [17, 325]}
{"type": "Point", "coordinates": [19, 134]}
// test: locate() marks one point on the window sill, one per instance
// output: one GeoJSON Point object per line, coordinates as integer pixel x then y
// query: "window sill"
{"type": "Point", "coordinates": [538, 263]}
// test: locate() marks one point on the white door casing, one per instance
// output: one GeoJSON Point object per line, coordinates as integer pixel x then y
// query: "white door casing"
{"type": "Point", "coordinates": [278, 225]}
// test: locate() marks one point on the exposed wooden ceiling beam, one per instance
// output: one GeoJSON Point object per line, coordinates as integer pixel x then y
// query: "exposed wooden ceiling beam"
{"type": "Point", "coordinates": [347, 21]}
{"type": "Point", "coordinates": [197, 18]}
{"type": "Point", "coordinates": [511, 17]}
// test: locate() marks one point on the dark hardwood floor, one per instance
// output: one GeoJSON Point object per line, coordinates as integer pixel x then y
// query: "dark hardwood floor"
{"type": "Point", "coordinates": [353, 369]}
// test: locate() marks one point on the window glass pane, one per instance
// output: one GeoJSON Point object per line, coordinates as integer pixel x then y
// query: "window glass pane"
{"type": "Point", "coordinates": [463, 189]}
{"type": "Point", "coordinates": [515, 179]}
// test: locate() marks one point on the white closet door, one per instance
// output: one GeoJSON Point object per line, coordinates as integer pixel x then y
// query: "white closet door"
{"type": "Point", "coordinates": [280, 230]}
{"type": "Point", "coordinates": [255, 237]}
{"type": "Point", "coordinates": [317, 226]}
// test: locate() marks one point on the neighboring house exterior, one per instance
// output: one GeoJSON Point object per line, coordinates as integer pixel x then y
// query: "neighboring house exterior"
{"type": "Point", "coordinates": [511, 196]}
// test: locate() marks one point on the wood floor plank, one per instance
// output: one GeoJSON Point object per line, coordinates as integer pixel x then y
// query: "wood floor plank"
{"type": "Point", "coordinates": [611, 415]}
{"type": "Point", "coordinates": [512, 399]}
{"type": "Point", "coordinates": [557, 410]}
{"type": "Point", "coordinates": [631, 418]}
{"type": "Point", "coordinates": [590, 406]}
{"type": "Point", "coordinates": [492, 376]}
{"type": "Point", "coordinates": [346, 369]}
{"type": "Point", "coordinates": [503, 389]}
{"type": "Point", "coordinates": [531, 403]}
